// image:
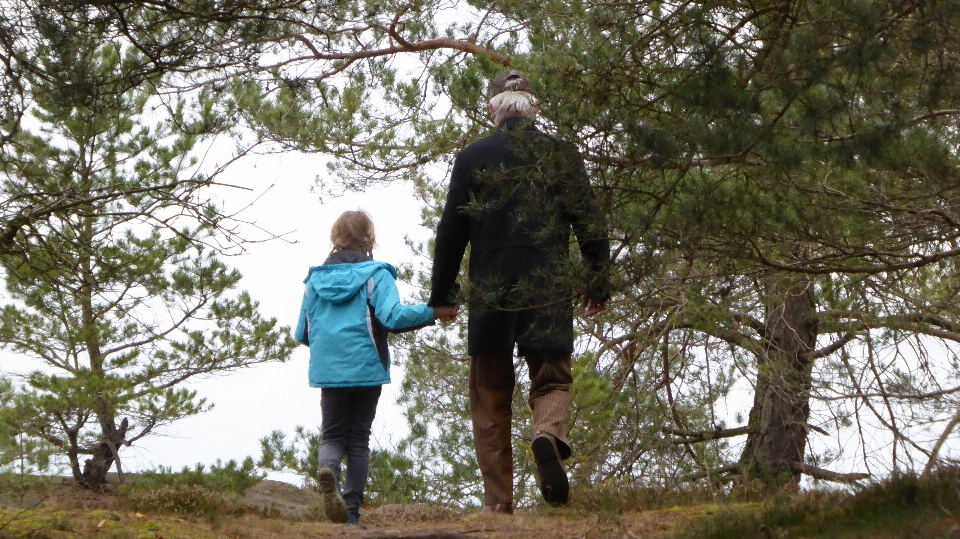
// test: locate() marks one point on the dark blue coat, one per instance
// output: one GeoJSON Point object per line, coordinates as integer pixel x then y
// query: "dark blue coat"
{"type": "Point", "coordinates": [514, 197]}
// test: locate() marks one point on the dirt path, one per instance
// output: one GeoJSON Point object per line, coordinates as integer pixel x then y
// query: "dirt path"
{"type": "Point", "coordinates": [74, 513]}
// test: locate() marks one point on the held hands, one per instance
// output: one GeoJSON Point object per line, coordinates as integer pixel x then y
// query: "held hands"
{"type": "Point", "coordinates": [446, 313]}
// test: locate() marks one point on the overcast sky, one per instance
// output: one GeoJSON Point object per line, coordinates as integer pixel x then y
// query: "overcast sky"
{"type": "Point", "coordinates": [251, 403]}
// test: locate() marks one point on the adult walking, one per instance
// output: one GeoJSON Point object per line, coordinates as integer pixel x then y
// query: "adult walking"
{"type": "Point", "coordinates": [514, 197]}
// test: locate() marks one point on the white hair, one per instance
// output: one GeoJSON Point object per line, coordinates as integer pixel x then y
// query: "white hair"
{"type": "Point", "coordinates": [515, 103]}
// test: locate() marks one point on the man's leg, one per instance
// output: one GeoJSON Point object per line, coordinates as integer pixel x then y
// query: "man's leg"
{"type": "Point", "coordinates": [491, 393]}
{"type": "Point", "coordinates": [551, 376]}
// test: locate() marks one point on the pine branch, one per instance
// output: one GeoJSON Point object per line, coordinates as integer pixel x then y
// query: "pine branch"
{"type": "Point", "coordinates": [689, 436]}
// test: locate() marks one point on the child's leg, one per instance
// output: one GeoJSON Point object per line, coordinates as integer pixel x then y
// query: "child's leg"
{"type": "Point", "coordinates": [335, 406]}
{"type": "Point", "coordinates": [335, 430]}
{"type": "Point", "coordinates": [358, 446]}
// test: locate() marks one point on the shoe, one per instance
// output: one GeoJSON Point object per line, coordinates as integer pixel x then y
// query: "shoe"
{"type": "Point", "coordinates": [353, 519]}
{"type": "Point", "coordinates": [503, 508]}
{"type": "Point", "coordinates": [333, 505]}
{"type": "Point", "coordinates": [553, 479]}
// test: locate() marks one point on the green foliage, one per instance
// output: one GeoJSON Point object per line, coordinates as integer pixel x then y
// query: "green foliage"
{"type": "Point", "coordinates": [180, 499]}
{"type": "Point", "coordinates": [201, 491]}
{"type": "Point", "coordinates": [434, 394]}
{"type": "Point", "coordinates": [907, 505]}
{"type": "Point", "coordinates": [300, 455]}
{"type": "Point", "coordinates": [20, 454]}
{"type": "Point", "coordinates": [741, 151]}
{"type": "Point", "coordinates": [394, 479]}
{"type": "Point", "coordinates": [394, 476]}
{"type": "Point", "coordinates": [118, 298]}
{"type": "Point", "coordinates": [230, 479]}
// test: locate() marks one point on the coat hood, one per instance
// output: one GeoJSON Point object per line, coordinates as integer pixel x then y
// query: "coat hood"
{"type": "Point", "coordinates": [337, 283]}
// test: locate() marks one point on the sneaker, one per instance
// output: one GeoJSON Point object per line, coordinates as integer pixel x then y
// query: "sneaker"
{"type": "Point", "coordinates": [553, 479]}
{"type": "Point", "coordinates": [353, 519]}
{"type": "Point", "coordinates": [333, 505]}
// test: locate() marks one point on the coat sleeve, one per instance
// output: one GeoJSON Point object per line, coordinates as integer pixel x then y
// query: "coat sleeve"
{"type": "Point", "coordinates": [453, 234]}
{"type": "Point", "coordinates": [589, 226]}
{"type": "Point", "coordinates": [395, 316]}
{"type": "Point", "coordinates": [302, 333]}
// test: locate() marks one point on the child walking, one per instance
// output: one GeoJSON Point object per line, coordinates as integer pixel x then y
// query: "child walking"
{"type": "Point", "coordinates": [349, 305]}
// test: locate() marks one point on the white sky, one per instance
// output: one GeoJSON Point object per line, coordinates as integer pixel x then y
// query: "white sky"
{"type": "Point", "coordinates": [251, 403]}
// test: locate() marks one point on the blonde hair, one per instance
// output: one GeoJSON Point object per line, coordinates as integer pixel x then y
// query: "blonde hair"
{"type": "Point", "coordinates": [353, 231]}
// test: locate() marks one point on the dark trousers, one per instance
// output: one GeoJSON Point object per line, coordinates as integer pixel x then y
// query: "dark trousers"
{"type": "Point", "coordinates": [492, 379]}
{"type": "Point", "coordinates": [348, 414]}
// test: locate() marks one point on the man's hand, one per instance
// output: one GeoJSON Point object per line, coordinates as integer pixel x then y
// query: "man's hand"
{"type": "Point", "coordinates": [446, 313]}
{"type": "Point", "coordinates": [594, 308]}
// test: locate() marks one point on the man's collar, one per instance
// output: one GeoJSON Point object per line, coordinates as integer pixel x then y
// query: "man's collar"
{"type": "Point", "coordinates": [514, 122]}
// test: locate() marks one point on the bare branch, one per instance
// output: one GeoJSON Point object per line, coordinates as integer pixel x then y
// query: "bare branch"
{"type": "Point", "coordinates": [403, 46]}
{"type": "Point", "coordinates": [723, 470]}
{"type": "Point", "coordinates": [827, 475]}
{"type": "Point", "coordinates": [705, 435]}
{"type": "Point", "coordinates": [934, 453]}
{"type": "Point", "coordinates": [831, 348]}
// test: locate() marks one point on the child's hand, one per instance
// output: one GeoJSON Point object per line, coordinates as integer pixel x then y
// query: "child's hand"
{"type": "Point", "coordinates": [446, 313]}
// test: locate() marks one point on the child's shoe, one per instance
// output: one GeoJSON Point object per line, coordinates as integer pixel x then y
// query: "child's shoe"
{"type": "Point", "coordinates": [333, 505]}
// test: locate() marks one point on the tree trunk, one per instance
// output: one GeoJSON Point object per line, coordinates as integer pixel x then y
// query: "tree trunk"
{"type": "Point", "coordinates": [95, 468]}
{"type": "Point", "coordinates": [781, 405]}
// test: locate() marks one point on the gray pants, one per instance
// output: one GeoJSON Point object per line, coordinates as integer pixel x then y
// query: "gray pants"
{"type": "Point", "coordinates": [348, 414]}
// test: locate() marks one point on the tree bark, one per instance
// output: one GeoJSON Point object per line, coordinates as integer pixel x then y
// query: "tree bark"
{"type": "Point", "coordinates": [104, 456]}
{"type": "Point", "coordinates": [781, 406]}
{"type": "Point", "coordinates": [95, 468]}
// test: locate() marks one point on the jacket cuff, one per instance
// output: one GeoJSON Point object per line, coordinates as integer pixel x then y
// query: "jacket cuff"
{"type": "Point", "coordinates": [438, 299]}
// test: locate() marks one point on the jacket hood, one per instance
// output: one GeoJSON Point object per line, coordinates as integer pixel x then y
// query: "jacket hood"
{"type": "Point", "coordinates": [337, 283]}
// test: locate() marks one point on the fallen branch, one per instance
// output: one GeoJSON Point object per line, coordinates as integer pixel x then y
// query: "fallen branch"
{"type": "Point", "coordinates": [932, 461]}
{"type": "Point", "coordinates": [730, 468]}
{"type": "Point", "coordinates": [827, 475]}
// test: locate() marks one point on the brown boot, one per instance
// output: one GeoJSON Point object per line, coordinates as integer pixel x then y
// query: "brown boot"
{"type": "Point", "coordinates": [553, 479]}
{"type": "Point", "coordinates": [333, 505]}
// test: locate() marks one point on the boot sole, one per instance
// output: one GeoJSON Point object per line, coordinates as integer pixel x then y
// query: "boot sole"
{"type": "Point", "coordinates": [333, 505]}
{"type": "Point", "coordinates": [553, 479]}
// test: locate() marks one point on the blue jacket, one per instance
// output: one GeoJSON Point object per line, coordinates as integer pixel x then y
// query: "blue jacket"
{"type": "Point", "coordinates": [348, 306]}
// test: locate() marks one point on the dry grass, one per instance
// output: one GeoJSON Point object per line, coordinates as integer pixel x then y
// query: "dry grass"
{"type": "Point", "coordinates": [71, 512]}
{"type": "Point", "coordinates": [905, 508]}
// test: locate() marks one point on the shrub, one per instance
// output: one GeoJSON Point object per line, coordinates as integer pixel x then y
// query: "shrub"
{"type": "Point", "coordinates": [181, 500]}
{"type": "Point", "coordinates": [231, 480]}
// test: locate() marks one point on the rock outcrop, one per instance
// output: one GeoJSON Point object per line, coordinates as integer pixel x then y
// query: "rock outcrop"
{"type": "Point", "coordinates": [276, 498]}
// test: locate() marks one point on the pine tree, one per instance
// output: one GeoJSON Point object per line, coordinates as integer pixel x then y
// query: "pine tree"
{"type": "Point", "coordinates": [780, 181]}
{"type": "Point", "coordinates": [120, 298]}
